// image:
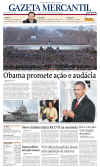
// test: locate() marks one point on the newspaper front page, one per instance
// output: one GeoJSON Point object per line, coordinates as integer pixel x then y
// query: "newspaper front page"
{"type": "Point", "coordinates": [49, 84]}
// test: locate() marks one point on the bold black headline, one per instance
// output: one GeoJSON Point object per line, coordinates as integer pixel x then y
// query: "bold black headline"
{"type": "Point", "coordinates": [83, 75]}
{"type": "Point", "coordinates": [49, 7]}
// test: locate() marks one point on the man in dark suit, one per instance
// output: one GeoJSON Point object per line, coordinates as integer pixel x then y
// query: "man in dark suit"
{"type": "Point", "coordinates": [83, 109]}
{"type": "Point", "coordinates": [31, 18]}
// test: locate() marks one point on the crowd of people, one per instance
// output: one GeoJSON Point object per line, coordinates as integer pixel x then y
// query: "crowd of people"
{"type": "Point", "coordinates": [49, 58]}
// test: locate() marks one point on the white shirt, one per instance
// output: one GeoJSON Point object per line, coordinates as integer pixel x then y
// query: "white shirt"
{"type": "Point", "coordinates": [79, 100]}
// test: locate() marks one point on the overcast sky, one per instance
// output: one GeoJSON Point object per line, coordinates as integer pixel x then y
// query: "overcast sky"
{"type": "Point", "coordinates": [12, 105]}
{"type": "Point", "coordinates": [55, 27]}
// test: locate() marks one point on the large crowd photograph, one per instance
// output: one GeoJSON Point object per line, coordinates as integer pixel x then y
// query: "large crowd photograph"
{"type": "Point", "coordinates": [45, 47]}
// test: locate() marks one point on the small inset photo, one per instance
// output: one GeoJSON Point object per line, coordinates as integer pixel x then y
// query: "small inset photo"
{"type": "Point", "coordinates": [49, 110]}
{"type": "Point", "coordinates": [20, 111]}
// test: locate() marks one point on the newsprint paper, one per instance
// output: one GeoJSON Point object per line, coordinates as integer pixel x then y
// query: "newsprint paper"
{"type": "Point", "coordinates": [49, 95]}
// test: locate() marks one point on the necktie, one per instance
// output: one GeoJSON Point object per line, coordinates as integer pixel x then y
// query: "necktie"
{"type": "Point", "coordinates": [76, 104]}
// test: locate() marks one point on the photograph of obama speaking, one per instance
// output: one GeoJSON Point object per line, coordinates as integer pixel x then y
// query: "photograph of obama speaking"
{"type": "Point", "coordinates": [82, 109]}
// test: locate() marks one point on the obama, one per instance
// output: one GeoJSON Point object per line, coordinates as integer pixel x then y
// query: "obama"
{"type": "Point", "coordinates": [83, 109]}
